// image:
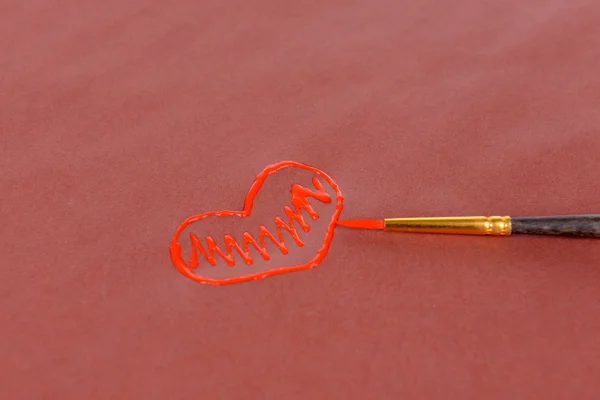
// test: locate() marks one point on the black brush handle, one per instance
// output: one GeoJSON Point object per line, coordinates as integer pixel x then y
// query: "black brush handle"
{"type": "Point", "coordinates": [560, 225]}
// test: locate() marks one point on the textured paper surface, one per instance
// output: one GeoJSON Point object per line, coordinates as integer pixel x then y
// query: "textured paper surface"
{"type": "Point", "coordinates": [119, 119]}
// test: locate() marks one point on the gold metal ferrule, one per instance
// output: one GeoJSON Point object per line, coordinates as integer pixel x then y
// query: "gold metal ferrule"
{"type": "Point", "coordinates": [496, 226]}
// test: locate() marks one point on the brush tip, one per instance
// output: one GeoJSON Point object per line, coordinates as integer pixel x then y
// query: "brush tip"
{"type": "Point", "coordinates": [362, 223]}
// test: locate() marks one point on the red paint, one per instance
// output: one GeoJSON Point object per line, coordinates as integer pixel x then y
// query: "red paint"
{"type": "Point", "coordinates": [300, 201]}
{"type": "Point", "coordinates": [362, 223]}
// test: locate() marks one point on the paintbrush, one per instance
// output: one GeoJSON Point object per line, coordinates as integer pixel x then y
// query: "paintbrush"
{"type": "Point", "coordinates": [587, 225]}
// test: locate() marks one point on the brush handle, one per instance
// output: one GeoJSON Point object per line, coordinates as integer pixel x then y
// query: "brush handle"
{"type": "Point", "coordinates": [559, 225]}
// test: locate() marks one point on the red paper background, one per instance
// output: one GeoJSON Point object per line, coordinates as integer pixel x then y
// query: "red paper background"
{"type": "Point", "coordinates": [118, 119]}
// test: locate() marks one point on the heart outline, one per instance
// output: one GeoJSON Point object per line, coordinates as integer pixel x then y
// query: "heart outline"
{"type": "Point", "coordinates": [175, 247]}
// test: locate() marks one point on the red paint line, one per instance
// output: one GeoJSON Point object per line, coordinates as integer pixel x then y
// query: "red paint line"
{"type": "Point", "coordinates": [300, 202]}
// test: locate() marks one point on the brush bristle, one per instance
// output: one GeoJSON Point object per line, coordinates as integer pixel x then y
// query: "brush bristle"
{"type": "Point", "coordinates": [362, 223]}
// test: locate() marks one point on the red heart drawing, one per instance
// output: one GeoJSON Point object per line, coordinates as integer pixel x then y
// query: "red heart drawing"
{"type": "Point", "coordinates": [300, 202]}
